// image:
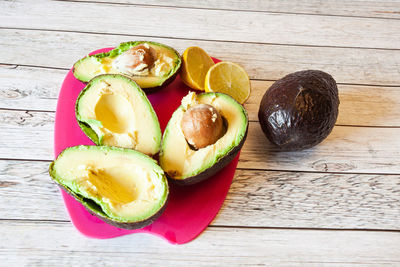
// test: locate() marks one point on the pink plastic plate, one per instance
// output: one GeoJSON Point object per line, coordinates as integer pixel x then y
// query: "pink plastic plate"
{"type": "Point", "coordinates": [190, 209]}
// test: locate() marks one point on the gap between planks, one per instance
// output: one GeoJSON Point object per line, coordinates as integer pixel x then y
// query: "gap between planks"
{"type": "Point", "coordinates": [228, 226]}
{"type": "Point", "coordinates": [365, 98]}
{"type": "Point", "coordinates": [367, 32]}
{"type": "Point", "coordinates": [223, 9]}
{"type": "Point", "coordinates": [250, 120]}
{"type": "Point", "coordinates": [17, 65]}
{"type": "Point", "coordinates": [261, 61]}
{"type": "Point", "coordinates": [198, 39]}
{"type": "Point", "coordinates": [241, 168]}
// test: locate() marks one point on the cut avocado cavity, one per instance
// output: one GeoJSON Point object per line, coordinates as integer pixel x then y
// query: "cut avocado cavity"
{"type": "Point", "coordinates": [122, 187]}
{"type": "Point", "coordinates": [151, 65]}
{"type": "Point", "coordinates": [186, 165]}
{"type": "Point", "coordinates": [112, 110]}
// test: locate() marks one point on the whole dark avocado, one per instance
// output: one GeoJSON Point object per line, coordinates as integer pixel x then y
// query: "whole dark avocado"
{"type": "Point", "coordinates": [299, 110]}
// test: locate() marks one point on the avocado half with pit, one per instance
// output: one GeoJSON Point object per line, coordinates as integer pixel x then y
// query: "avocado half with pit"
{"type": "Point", "coordinates": [122, 187]}
{"type": "Point", "coordinates": [112, 110]}
{"type": "Point", "coordinates": [151, 65]}
{"type": "Point", "coordinates": [194, 145]}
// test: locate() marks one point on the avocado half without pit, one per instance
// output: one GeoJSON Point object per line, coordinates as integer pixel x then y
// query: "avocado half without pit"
{"type": "Point", "coordinates": [151, 65]}
{"type": "Point", "coordinates": [203, 135]}
{"type": "Point", "coordinates": [300, 110]}
{"type": "Point", "coordinates": [112, 110]}
{"type": "Point", "coordinates": [122, 187]}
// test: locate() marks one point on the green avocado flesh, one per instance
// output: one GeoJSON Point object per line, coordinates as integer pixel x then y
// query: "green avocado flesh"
{"type": "Point", "coordinates": [167, 62]}
{"type": "Point", "coordinates": [112, 110]}
{"type": "Point", "coordinates": [180, 161]}
{"type": "Point", "coordinates": [117, 184]}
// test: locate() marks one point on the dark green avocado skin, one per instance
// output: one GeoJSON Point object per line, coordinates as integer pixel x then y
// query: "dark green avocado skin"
{"type": "Point", "coordinates": [96, 211]}
{"type": "Point", "coordinates": [122, 225]}
{"type": "Point", "coordinates": [299, 110]}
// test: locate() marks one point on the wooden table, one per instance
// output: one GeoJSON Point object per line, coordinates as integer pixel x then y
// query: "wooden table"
{"type": "Point", "coordinates": [335, 204]}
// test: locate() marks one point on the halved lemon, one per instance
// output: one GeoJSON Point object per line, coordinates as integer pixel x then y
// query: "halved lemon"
{"type": "Point", "coordinates": [195, 64]}
{"type": "Point", "coordinates": [229, 78]}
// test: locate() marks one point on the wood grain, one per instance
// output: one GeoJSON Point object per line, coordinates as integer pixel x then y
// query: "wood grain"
{"type": "Point", "coordinates": [261, 61]}
{"type": "Point", "coordinates": [312, 200]}
{"type": "Point", "coordinates": [255, 199]}
{"type": "Point", "coordinates": [50, 244]}
{"type": "Point", "coordinates": [347, 149]}
{"type": "Point", "coordinates": [28, 135]}
{"type": "Point", "coordinates": [372, 9]}
{"type": "Point", "coordinates": [25, 134]}
{"type": "Point", "coordinates": [350, 181]}
{"type": "Point", "coordinates": [29, 88]}
{"type": "Point", "coordinates": [359, 105]}
{"type": "Point", "coordinates": [293, 29]}
{"type": "Point", "coordinates": [27, 192]}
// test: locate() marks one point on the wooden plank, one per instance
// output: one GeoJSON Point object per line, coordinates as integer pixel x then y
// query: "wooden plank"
{"type": "Point", "coordinates": [294, 29]}
{"type": "Point", "coordinates": [30, 88]}
{"type": "Point", "coordinates": [347, 149]}
{"type": "Point", "coordinates": [33, 88]}
{"type": "Point", "coordinates": [49, 244]}
{"type": "Point", "coordinates": [312, 200]}
{"type": "Point", "coordinates": [262, 61]}
{"type": "Point", "coordinates": [27, 192]}
{"type": "Point", "coordinates": [375, 9]}
{"type": "Point", "coordinates": [359, 105]}
{"type": "Point", "coordinates": [28, 135]}
{"type": "Point", "coordinates": [256, 198]}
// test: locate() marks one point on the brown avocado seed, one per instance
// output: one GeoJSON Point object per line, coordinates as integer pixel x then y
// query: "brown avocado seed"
{"type": "Point", "coordinates": [141, 55]}
{"type": "Point", "coordinates": [202, 125]}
